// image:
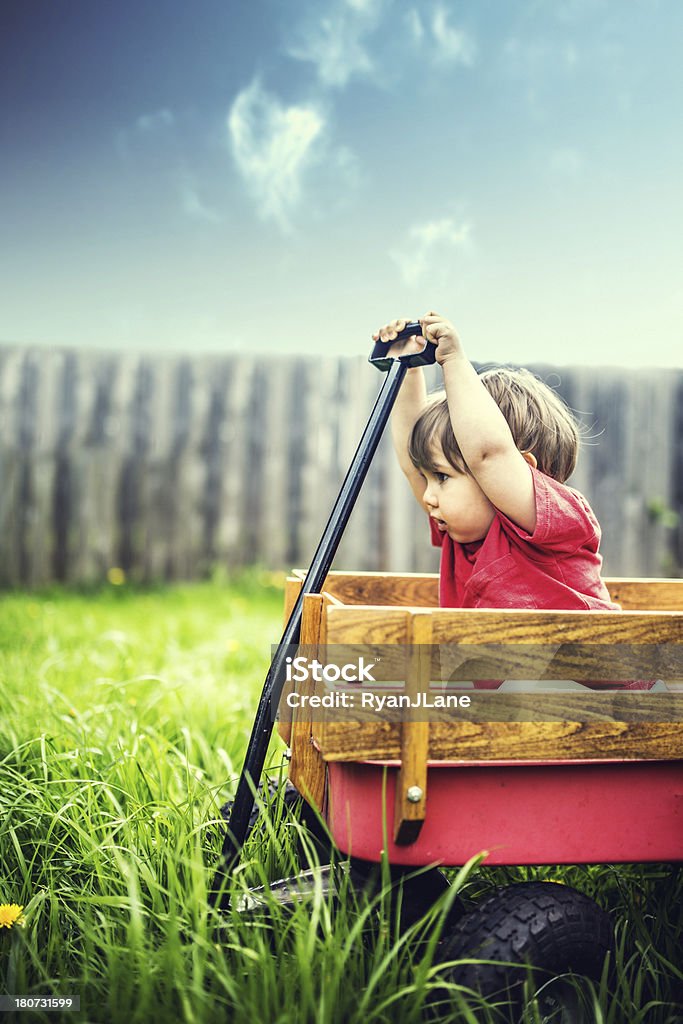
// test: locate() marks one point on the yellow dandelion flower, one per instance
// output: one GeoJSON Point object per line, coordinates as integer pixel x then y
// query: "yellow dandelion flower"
{"type": "Point", "coordinates": [10, 914]}
{"type": "Point", "coordinates": [116, 576]}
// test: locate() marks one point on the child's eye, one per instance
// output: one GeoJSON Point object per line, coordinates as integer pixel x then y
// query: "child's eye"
{"type": "Point", "coordinates": [441, 477]}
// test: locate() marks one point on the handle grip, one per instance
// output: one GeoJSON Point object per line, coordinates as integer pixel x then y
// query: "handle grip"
{"type": "Point", "coordinates": [424, 357]}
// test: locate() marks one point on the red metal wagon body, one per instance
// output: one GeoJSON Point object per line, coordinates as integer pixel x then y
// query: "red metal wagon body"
{"type": "Point", "coordinates": [520, 813]}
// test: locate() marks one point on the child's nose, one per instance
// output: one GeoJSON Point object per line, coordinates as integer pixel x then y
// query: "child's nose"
{"type": "Point", "coordinates": [430, 496]}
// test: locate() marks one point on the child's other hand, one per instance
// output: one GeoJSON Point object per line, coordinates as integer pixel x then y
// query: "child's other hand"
{"type": "Point", "coordinates": [402, 348]}
{"type": "Point", "coordinates": [443, 334]}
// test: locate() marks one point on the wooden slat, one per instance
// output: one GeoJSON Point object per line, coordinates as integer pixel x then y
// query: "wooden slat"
{"type": "Point", "coordinates": [367, 625]}
{"type": "Point", "coordinates": [360, 391]}
{"type": "Point", "coordinates": [292, 589]}
{"type": "Point", "coordinates": [307, 768]}
{"type": "Point", "coordinates": [104, 439]}
{"type": "Point", "coordinates": [34, 481]}
{"type": "Point", "coordinates": [375, 625]}
{"type": "Point", "coordinates": [385, 588]}
{"type": "Point", "coordinates": [170, 524]}
{"type": "Point", "coordinates": [293, 586]}
{"type": "Point", "coordinates": [256, 443]}
{"type": "Point", "coordinates": [314, 493]}
{"type": "Point", "coordinates": [410, 813]}
{"type": "Point", "coordinates": [239, 427]}
{"type": "Point", "coordinates": [495, 626]}
{"type": "Point", "coordinates": [42, 477]}
{"type": "Point", "coordinates": [275, 472]}
{"type": "Point", "coordinates": [508, 741]}
{"type": "Point", "coordinates": [647, 594]}
{"type": "Point", "coordinates": [399, 519]}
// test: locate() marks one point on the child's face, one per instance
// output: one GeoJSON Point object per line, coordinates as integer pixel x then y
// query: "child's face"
{"type": "Point", "coordinates": [455, 501]}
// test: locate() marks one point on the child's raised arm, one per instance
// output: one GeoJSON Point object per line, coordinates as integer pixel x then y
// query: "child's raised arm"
{"type": "Point", "coordinates": [410, 404]}
{"type": "Point", "coordinates": [481, 430]}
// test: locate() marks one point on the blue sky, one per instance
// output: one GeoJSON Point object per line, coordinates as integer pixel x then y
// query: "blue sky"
{"type": "Point", "coordinates": [284, 176]}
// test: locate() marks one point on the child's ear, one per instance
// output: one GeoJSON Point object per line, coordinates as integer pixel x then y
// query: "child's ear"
{"type": "Point", "coordinates": [530, 458]}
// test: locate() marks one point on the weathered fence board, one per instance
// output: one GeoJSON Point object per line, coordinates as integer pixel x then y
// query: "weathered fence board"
{"type": "Point", "coordinates": [165, 466]}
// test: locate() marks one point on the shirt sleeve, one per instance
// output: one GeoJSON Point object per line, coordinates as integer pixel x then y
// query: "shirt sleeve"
{"type": "Point", "coordinates": [565, 521]}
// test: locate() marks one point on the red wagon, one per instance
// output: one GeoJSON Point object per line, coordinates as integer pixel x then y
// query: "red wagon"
{"type": "Point", "coordinates": [547, 790]}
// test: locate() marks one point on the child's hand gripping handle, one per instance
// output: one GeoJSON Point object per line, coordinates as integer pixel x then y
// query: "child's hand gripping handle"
{"type": "Point", "coordinates": [424, 357]}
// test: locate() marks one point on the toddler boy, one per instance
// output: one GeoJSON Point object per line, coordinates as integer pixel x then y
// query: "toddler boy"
{"type": "Point", "coordinates": [489, 463]}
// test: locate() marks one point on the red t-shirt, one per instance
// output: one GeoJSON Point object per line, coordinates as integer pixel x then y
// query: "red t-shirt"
{"type": "Point", "coordinates": [555, 567]}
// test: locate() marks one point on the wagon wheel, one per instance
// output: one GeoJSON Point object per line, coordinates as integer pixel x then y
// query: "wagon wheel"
{"type": "Point", "coordinates": [547, 928]}
{"type": "Point", "coordinates": [412, 890]}
{"type": "Point", "coordinates": [409, 896]}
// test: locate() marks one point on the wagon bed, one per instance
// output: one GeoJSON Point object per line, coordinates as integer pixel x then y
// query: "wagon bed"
{"type": "Point", "coordinates": [563, 786]}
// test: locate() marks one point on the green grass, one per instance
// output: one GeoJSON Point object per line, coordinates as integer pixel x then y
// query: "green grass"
{"type": "Point", "coordinates": [124, 720]}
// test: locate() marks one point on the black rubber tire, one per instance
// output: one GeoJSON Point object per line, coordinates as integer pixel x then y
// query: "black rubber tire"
{"type": "Point", "coordinates": [542, 925]}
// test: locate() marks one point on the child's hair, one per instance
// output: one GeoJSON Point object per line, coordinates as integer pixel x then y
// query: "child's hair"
{"type": "Point", "coordinates": [539, 421]}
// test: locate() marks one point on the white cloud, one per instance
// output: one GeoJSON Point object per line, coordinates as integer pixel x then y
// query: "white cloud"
{"type": "Point", "coordinates": [335, 44]}
{"type": "Point", "coordinates": [444, 43]}
{"type": "Point", "coordinates": [273, 145]}
{"type": "Point", "coordinates": [154, 122]}
{"type": "Point", "coordinates": [428, 247]}
{"type": "Point", "coordinates": [338, 42]}
{"type": "Point", "coordinates": [415, 26]}
{"type": "Point", "coordinates": [453, 44]}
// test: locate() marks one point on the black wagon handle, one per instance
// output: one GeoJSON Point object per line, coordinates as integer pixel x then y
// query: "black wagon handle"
{"type": "Point", "coordinates": [264, 720]}
{"type": "Point", "coordinates": [425, 357]}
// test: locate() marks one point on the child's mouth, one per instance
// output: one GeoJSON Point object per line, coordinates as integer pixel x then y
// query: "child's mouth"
{"type": "Point", "coordinates": [440, 525]}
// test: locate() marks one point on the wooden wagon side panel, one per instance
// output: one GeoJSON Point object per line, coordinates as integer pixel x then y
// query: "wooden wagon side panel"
{"type": "Point", "coordinates": [506, 741]}
{"type": "Point", "coordinates": [563, 726]}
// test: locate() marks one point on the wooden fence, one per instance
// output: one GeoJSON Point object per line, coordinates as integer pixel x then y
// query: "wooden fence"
{"type": "Point", "coordinates": [166, 466]}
